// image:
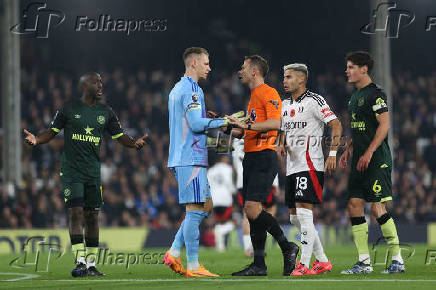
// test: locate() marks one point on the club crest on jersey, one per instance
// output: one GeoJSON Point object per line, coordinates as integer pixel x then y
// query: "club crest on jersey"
{"type": "Point", "coordinates": [275, 103]}
{"type": "Point", "coordinates": [100, 120]}
{"type": "Point", "coordinates": [195, 97]}
{"type": "Point", "coordinates": [292, 113]}
{"type": "Point", "coordinates": [253, 115]}
{"type": "Point", "coordinates": [360, 102]}
{"type": "Point", "coordinates": [67, 192]}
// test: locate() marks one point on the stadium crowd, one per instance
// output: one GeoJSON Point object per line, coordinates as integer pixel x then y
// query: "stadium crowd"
{"type": "Point", "coordinates": [140, 191]}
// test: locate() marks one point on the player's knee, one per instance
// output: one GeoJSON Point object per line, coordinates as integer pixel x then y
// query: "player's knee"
{"type": "Point", "coordinates": [252, 210]}
{"type": "Point", "coordinates": [91, 216]}
{"type": "Point", "coordinates": [76, 215]}
{"type": "Point", "coordinates": [377, 209]}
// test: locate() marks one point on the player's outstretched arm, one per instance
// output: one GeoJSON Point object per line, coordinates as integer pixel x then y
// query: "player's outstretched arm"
{"type": "Point", "coordinates": [33, 140]}
{"type": "Point", "coordinates": [330, 164]}
{"type": "Point", "coordinates": [128, 141]}
{"type": "Point", "coordinates": [268, 125]}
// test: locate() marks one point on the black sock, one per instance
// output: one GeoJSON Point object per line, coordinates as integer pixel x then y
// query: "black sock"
{"type": "Point", "coordinates": [76, 239]}
{"type": "Point", "coordinates": [91, 242]}
{"type": "Point", "coordinates": [258, 239]}
{"type": "Point", "coordinates": [273, 227]}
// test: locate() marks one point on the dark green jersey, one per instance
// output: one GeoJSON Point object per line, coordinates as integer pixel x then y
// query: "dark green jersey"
{"type": "Point", "coordinates": [83, 131]}
{"type": "Point", "coordinates": [364, 105]}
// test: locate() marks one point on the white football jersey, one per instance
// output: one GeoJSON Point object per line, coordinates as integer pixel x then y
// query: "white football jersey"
{"type": "Point", "coordinates": [303, 123]}
{"type": "Point", "coordinates": [238, 156]}
{"type": "Point", "coordinates": [220, 177]}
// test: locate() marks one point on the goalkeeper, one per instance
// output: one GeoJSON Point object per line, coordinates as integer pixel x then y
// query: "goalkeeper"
{"type": "Point", "coordinates": [188, 159]}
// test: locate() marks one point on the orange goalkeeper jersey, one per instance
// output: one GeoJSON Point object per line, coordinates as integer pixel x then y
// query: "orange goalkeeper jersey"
{"type": "Point", "coordinates": [265, 103]}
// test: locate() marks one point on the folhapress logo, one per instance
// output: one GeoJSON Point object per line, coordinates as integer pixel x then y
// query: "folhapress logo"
{"type": "Point", "coordinates": [386, 18]}
{"type": "Point", "coordinates": [37, 20]}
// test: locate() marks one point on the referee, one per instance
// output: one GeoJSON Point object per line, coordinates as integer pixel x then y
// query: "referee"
{"type": "Point", "coordinates": [260, 165]}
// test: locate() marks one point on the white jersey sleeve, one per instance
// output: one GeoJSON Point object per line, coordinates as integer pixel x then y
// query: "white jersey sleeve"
{"type": "Point", "coordinates": [322, 112]}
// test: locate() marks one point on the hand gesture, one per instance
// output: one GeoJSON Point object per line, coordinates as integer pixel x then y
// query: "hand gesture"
{"type": "Point", "coordinates": [141, 141]}
{"type": "Point", "coordinates": [30, 139]}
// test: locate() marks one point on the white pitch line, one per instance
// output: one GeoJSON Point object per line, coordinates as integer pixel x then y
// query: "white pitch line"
{"type": "Point", "coordinates": [234, 280]}
{"type": "Point", "coordinates": [25, 276]}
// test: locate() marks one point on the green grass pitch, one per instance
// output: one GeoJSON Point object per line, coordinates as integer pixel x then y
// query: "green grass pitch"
{"type": "Point", "coordinates": [156, 276]}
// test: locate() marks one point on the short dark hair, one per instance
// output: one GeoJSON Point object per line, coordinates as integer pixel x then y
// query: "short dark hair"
{"type": "Point", "coordinates": [193, 50]}
{"type": "Point", "coordinates": [260, 63]}
{"type": "Point", "coordinates": [361, 58]}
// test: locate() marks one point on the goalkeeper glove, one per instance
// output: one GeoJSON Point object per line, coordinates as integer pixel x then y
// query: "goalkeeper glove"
{"type": "Point", "coordinates": [219, 145]}
{"type": "Point", "coordinates": [240, 116]}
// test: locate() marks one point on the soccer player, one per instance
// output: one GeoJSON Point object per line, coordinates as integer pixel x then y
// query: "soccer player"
{"type": "Point", "coordinates": [84, 121]}
{"type": "Point", "coordinates": [303, 117]}
{"type": "Point", "coordinates": [270, 204]}
{"type": "Point", "coordinates": [260, 165]}
{"type": "Point", "coordinates": [371, 163]}
{"type": "Point", "coordinates": [220, 178]}
{"type": "Point", "coordinates": [188, 159]}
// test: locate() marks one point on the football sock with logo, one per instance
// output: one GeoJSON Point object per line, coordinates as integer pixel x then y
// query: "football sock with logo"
{"type": "Point", "coordinates": [318, 250]}
{"type": "Point", "coordinates": [178, 242]}
{"type": "Point", "coordinates": [360, 235]}
{"type": "Point", "coordinates": [258, 240]}
{"type": "Point", "coordinates": [191, 234]}
{"type": "Point", "coordinates": [78, 248]}
{"type": "Point", "coordinates": [305, 217]}
{"type": "Point", "coordinates": [389, 231]}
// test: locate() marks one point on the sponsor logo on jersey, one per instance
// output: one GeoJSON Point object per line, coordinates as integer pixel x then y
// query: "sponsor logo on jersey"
{"type": "Point", "coordinates": [194, 106]}
{"type": "Point", "coordinates": [300, 109]}
{"type": "Point", "coordinates": [326, 112]}
{"type": "Point", "coordinates": [77, 116]}
{"type": "Point", "coordinates": [275, 103]}
{"type": "Point", "coordinates": [360, 125]}
{"type": "Point", "coordinates": [86, 138]}
{"type": "Point", "coordinates": [285, 113]}
{"type": "Point", "coordinates": [379, 104]}
{"type": "Point", "coordinates": [253, 115]}
{"type": "Point", "coordinates": [100, 120]}
{"type": "Point", "coordinates": [295, 125]}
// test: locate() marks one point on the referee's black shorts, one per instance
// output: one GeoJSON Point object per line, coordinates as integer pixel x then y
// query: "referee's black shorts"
{"type": "Point", "coordinates": [259, 170]}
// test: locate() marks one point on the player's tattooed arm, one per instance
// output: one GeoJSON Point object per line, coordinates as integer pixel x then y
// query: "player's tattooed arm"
{"type": "Point", "coordinates": [43, 138]}
{"type": "Point", "coordinates": [128, 141]}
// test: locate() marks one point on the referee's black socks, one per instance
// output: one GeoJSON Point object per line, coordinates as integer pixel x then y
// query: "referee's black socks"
{"type": "Point", "coordinates": [258, 239]}
{"type": "Point", "coordinates": [267, 222]}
